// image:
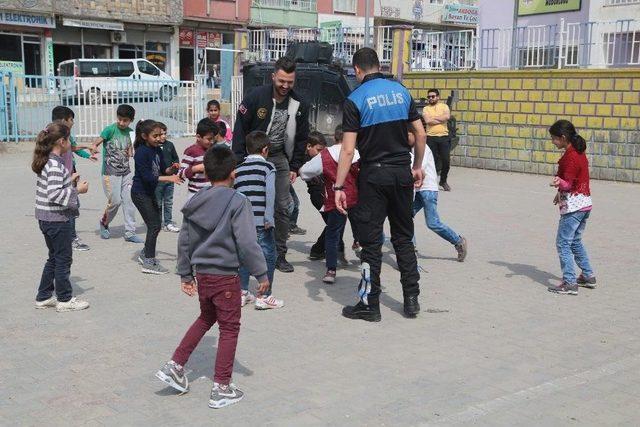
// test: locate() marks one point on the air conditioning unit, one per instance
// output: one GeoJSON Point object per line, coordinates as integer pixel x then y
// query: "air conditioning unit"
{"type": "Point", "coordinates": [118, 37]}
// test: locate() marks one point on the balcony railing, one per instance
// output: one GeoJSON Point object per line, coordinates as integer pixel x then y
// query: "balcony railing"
{"type": "Point", "coordinates": [301, 5]}
{"type": "Point", "coordinates": [620, 2]}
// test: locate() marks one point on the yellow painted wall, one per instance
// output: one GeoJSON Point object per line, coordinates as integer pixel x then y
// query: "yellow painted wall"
{"type": "Point", "coordinates": [504, 116]}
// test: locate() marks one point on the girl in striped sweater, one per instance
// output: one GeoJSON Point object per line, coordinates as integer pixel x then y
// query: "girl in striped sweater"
{"type": "Point", "coordinates": [56, 204]}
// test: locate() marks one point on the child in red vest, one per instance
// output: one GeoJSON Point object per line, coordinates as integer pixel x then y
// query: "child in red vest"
{"type": "Point", "coordinates": [326, 164]}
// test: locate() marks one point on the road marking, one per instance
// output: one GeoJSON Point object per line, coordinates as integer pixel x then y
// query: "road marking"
{"type": "Point", "coordinates": [482, 409]}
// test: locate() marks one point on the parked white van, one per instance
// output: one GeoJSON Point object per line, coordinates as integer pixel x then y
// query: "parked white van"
{"type": "Point", "coordinates": [96, 80]}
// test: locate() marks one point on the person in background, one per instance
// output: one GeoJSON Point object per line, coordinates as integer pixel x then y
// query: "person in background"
{"type": "Point", "coordinates": [165, 190]}
{"type": "Point", "coordinates": [436, 114]}
{"type": "Point", "coordinates": [213, 112]}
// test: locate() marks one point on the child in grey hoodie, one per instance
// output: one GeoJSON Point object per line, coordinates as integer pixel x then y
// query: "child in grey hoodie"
{"type": "Point", "coordinates": [217, 236]}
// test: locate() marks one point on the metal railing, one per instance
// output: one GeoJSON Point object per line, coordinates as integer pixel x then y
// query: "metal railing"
{"type": "Point", "coordinates": [443, 50]}
{"type": "Point", "coordinates": [271, 44]}
{"type": "Point", "coordinates": [26, 103]}
{"type": "Point", "coordinates": [237, 93]}
{"type": "Point", "coordinates": [580, 44]}
{"type": "Point", "coordinates": [301, 5]}
{"type": "Point", "coordinates": [620, 2]}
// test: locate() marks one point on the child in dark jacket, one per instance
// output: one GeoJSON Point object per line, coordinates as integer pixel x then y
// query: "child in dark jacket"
{"type": "Point", "coordinates": [150, 169]}
{"type": "Point", "coordinates": [218, 235]}
{"type": "Point", "coordinates": [165, 190]}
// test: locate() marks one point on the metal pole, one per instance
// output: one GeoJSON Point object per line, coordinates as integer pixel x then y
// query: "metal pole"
{"type": "Point", "coordinates": [367, 29]}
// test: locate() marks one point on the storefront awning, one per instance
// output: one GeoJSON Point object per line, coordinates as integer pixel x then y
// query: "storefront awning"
{"type": "Point", "coordinates": [96, 25]}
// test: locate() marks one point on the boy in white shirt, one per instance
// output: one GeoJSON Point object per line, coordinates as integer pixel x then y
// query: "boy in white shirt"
{"type": "Point", "coordinates": [427, 197]}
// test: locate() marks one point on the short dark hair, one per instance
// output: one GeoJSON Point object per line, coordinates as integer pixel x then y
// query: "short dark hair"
{"type": "Point", "coordinates": [256, 141]}
{"type": "Point", "coordinates": [436, 91]}
{"type": "Point", "coordinates": [162, 126]}
{"type": "Point", "coordinates": [213, 102]}
{"type": "Point", "coordinates": [285, 64]}
{"type": "Point", "coordinates": [126, 111]}
{"type": "Point", "coordinates": [222, 129]}
{"type": "Point", "coordinates": [219, 162]}
{"type": "Point", "coordinates": [366, 59]}
{"type": "Point", "coordinates": [206, 126]}
{"type": "Point", "coordinates": [338, 133]}
{"type": "Point", "coordinates": [62, 113]}
{"type": "Point", "coordinates": [316, 138]}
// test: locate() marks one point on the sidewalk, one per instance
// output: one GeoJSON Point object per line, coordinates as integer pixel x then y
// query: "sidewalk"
{"type": "Point", "coordinates": [491, 346]}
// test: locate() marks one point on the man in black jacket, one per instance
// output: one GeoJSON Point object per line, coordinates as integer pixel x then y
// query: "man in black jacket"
{"type": "Point", "coordinates": [277, 110]}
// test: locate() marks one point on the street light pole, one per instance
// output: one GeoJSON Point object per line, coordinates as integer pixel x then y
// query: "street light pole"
{"type": "Point", "coordinates": [367, 29]}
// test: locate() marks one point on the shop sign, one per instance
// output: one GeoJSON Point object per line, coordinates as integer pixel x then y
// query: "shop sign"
{"type": "Point", "coordinates": [12, 66]}
{"type": "Point", "coordinates": [48, 46]}
{"type": "Point", "coordinates": [201, 40]}
{"type": "Point", "coordinates": [186, 37]}
{"type": "Point", "coordinates": [96, 25]}
{"type": "Point", "coordinates": [25, 19]}
{"type": "Point", "coordinates": [534, 7]}
{"type": "Point", "coordinates": [461, 14]}
{"type": "Point", "coordinates": [214, 40]}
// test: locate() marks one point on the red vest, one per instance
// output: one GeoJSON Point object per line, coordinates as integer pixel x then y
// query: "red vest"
{"type": "Point", "coordinates": [330, 171]}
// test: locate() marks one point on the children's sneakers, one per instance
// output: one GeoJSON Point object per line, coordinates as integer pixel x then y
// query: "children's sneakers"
{"type": "Point", "coordinates": [224, 395]}
{"type": "Point", "coordinates": [152, 266]}
{"type": "Point", "coordinates": [266, 303]}
{"type": "Point", "coordinates": [77, 245]}
{"type": "Point", "coordinates": [565, 289]}
{"type": "Point", "coordinates": [329, 277]}
{"type": "Point", "coordinates": [173, 374]}
{"type": "Point", "coordinates": [246, 298]}
{"type": "Point", "coordinates": [74, 304]}
{"type": "Point", "coordinates": [461, 248]}
{"type": "Point", "coordinates": [52, 301]}
{"type": "Point", "coordinates": [104, 231]}
{"type": "Point", "coordinates": [171, 227]}
{"type": "Point", "coordinates": [587, 282]}
{"type": "Point", "coordinates": [133, 238]}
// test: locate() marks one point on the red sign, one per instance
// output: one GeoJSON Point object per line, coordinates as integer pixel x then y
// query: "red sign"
{"type": "Point", "coordinates": [186, 37]}
{"type": "Point", "coordinates": [214, 40]}
{"type": "Point", "coordinates": [201, 40]}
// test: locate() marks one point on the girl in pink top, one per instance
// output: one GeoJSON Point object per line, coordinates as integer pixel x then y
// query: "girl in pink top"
{"type": "Point", "coordinates": [213, 112]}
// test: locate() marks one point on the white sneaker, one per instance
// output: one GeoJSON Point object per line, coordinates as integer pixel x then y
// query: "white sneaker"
{"type": "Point", "coordinates": [172, 228]}
{"type": "Point", "coordinates": [51, 302]}
{"type": "Point", "coordinates": [74, 304]}
{"type": "Point", "coordinates": [269, 302]}
{"type": "Point", "coordinates": [246, 298]}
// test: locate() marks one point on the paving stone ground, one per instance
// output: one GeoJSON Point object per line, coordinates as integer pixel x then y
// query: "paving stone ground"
{"type": "Point", "coordinates": [491, 347]}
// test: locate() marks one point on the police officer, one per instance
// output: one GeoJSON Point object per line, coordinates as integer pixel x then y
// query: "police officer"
{"type": "Point", "coordinates": [377, 118]}
{"type": "Point", "coordinates": [277, 110]}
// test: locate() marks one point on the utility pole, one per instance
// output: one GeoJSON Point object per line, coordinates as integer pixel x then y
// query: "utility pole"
{"type": "Point", "coordinates": [367, 28]}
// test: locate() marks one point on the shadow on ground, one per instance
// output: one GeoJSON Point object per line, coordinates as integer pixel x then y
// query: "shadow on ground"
{"type": "Point", "coordinates": [532, 272]}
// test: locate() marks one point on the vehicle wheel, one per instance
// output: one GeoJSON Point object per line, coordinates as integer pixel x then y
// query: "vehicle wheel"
{"type": "Point", "coordinates": [94, 96]}
{"type": "Point", "coordinates": [166, 93]}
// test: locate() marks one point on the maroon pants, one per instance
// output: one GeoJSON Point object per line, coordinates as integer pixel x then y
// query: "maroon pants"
{"type": "Point", "coordinates": [219, 302]}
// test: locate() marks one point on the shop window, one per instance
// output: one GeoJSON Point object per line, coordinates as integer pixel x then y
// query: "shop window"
{"type": "Point", "coordinates": [32, 59]}
{"type": "Point", "coordinates": [130, 51]}
{"type": "Point", "coordinates": [148, 68]}
{"type": "Point", "coordinates": [97, 52]}
{"type": "Point", "coordinates": [121, 68]}
{"type": "Point", "coordinates": [94, 69]}
{"type": "Point", "coordinates": [10, 48]}
{"type": "Point", "coordinates": [156, 53]}
{"type": "Point", "coordinates": [64, 52]}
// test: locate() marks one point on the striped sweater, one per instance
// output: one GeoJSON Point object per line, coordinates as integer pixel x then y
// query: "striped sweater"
{"type": "Point", "coordinates": [56, 197]}
{"type": "Point", "coordinates": [256, 179]}
{"type": "Point", "coordinates": [193, 156]}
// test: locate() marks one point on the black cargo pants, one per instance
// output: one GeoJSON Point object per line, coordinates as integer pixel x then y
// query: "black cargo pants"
{"type": "Point", "coordinates": [387, 191]}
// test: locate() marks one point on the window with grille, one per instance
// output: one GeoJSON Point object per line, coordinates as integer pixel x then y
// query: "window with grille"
{"type": "Point", "coordinates": [346, 6]}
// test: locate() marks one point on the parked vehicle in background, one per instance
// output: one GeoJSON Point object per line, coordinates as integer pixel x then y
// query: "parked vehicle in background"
{"type": "Point", "coordinates": [93, 81]}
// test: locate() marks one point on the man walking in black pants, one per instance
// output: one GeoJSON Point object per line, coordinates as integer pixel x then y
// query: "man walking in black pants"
{"type": "Point", "coordinates": [377, 118]}
{"type": "Point", "coordinates": [277, 110]}
{"type": "Point", "coordinates": [435, 116]}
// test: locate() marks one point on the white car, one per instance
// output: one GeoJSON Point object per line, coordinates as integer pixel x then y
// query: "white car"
{"type": "Point", "coordinates": [94, 80]}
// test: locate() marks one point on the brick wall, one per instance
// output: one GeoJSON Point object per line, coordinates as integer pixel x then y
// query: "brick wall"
{"type": "Point", "coordinates": [503, 117]}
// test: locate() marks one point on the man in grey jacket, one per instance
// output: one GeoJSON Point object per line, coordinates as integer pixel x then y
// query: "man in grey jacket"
{"type": "Point", "coordinates": [218, 234]}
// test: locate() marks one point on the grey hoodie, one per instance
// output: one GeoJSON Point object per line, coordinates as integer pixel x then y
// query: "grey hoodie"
{"type": "Point", "coordinates": [218, 234]}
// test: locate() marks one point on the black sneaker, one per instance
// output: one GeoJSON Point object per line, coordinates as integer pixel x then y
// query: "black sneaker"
{"type": "Point", "coordinates": [411, 306]}
{"type": "Point", "coordinates": [283, 265]}
{"type": "Point", "coordinates": [370, 313]}
{"type": "Point", "coordinates": [587, 282]}
{"type": "Point", "coordinates": [565, 289]}
{"type": "Point", "coordinates": [297, 230]}
{"type": "Point", "coordinates": [315, 256]}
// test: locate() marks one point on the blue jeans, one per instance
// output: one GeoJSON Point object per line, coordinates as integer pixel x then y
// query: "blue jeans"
{"type": "Point", "coordinates": [294, 207]}
{"type": "Point", "coordinates": [164, 194]}
{"type": "Point", "coordinates": [55, 274]}
{"type": "Point", "coordinates": [570, 247]}
{"type": "Point", "coordinates": [267, 241]}
{"type": "Point", "coordinates": [335, 230]}
{"type": "Point", "coordinates": [429, 201]}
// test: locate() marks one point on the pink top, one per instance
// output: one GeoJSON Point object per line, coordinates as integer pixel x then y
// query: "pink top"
{"type": "Point", "coordinates": [229, 135]}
